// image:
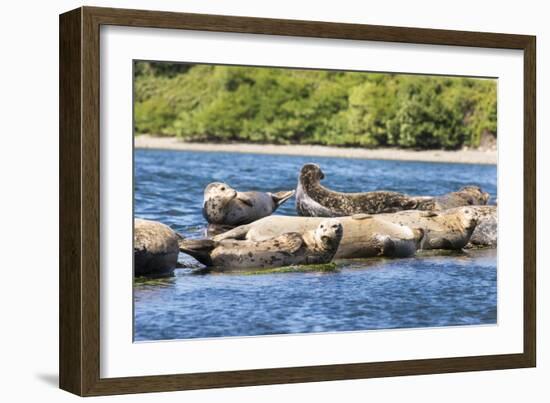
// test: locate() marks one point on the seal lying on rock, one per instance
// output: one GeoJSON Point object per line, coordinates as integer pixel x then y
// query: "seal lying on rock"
{"type": "Point", "coordinates": [465, 196]}
{"type": "Point", "coordinates": [314, 246]}
{"type": "Point", "coordinates": [223, 205]}
{"type": "Point", "coordinates": [313, 199]}
{"type": "Point", "coordinates": [155, 249]}
{"type": "Point", "coordinates": [449, 229]}
{"type": "Point", "coordinates": [486, 231]}
{"type": "Point", "coordinates": [364, 236]}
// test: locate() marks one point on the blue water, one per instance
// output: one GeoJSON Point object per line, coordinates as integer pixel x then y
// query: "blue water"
{"type": "Point", "coordinates": [426, 290]}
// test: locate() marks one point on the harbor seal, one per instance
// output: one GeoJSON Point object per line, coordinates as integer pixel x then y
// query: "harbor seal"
{"type": "Point", "coordinates": [465, 196]}
{"type": "Point", "coordinates": [486, 232]}
{"type": "Point", "coordinates": [155, 249]}
{"type": "Point", "coordinates": [315, 246]}
{"type": "Point", "coordinates": [364, 236]}
{"type": "Point", "coordinates": [313, 199]}
{"type": "Point", "coordinates": [450, 229]}
{"type": "Point", "coordinates": [223, 205]}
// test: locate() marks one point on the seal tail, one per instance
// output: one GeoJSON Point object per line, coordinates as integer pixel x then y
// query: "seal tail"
{"type": "Point", "coordinates": [281, 197]}
{"type": "Point", "coordinates": [200, 249]}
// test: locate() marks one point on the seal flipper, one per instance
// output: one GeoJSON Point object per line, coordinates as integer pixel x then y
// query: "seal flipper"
{"type": "Point", "coordinates": [288, 243]}
{"type": "Point", "coordinates": [200, 249]}
{"type": "Point", "coordinates": [281, 197]}
{"type": "Point", "coordinates": [243, 197]}
{"type": "Point", "coordinates": [238, 233]}
{"type": "Point", "coordinates": [394, 247]}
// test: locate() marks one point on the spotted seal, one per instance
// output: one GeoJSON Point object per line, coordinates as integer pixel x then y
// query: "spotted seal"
{"type": "Point", "coordinates": [449, 229]}
{"type": "Point", "coordinates": [314, 246]}
{"type": "Point", "coordinates": [313, 199]}
{"type": "Point", "coordinates": [465, 196]}
{"type": "Point", "coordinates": [364, 236]}
{"type": "Point", "coordinates": [223, 205]}
{"type": "Point", "coordinates": [155, 249]}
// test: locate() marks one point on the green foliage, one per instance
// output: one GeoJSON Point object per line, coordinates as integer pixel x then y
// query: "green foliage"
{"type": "Point", "coordinates": [275, 105]}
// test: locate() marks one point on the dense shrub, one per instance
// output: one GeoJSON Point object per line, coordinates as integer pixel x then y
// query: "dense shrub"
{"type": "Point", "coordinates": [274, 105]}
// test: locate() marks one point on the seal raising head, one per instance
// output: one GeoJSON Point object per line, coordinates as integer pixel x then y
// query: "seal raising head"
{"type": "Point", "coordinates": [311, 173]}
{"type": "Point", "coordinates": [313, 199]}
{"type": "Point", "coordinates": [224, 205]}
{"type": "Point", "coordinates": [329, 233]}
{"type": "Point", "coordinates": [217, 196]}
{"type": "Point", "coordinates": [363, 236]}
{"type": "Point", "coordinates": [468, 218]}
{"type": "Point", "coordinates": [473, 195]}
{"type": "Point", "coordinates": [316, 246]}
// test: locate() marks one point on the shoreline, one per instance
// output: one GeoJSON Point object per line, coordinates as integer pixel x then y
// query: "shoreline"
{"type": "Point", "coordinates": [393, 154]}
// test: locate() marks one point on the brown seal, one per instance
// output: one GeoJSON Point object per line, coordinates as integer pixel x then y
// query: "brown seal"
{"type": "Point", "coordinates": [315, 246]}
{"type": "Point", "coordinates": [155, 249]}
{"type": "Point", "coordinates": [223, 205]}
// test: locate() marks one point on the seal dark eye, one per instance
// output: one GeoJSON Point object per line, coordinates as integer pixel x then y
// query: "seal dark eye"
{"type": "Point", "coordinates": [222, 188]}
{"type": "Point", "coordinates": [322, 226]}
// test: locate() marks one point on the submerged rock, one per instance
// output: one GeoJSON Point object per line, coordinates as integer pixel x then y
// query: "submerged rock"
{"type": "Point", "coordinates": [155, 249]}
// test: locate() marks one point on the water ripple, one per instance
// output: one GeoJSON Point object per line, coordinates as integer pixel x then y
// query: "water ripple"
{"type": "Point", "coordinates": [361, 295]}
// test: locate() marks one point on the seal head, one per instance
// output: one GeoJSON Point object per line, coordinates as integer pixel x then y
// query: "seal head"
{"type": "Point", "coordinates": [468, 218]}
{"type": "Point", "coordinates": [311, 173]}
{"type": "Point", "coordinates": [473, 195]}
{"type": "Point", "coordinates": [465, 196]}
{"type": "Point", "coordinates": [329, 234]}
{"type": "Point", "coordinates": [217, 196]}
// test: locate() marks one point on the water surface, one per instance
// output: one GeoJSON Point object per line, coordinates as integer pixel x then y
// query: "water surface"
{"type": "Point", "coordinates": [422, 291]}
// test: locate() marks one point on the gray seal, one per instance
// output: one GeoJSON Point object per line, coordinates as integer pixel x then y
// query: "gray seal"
{"type": "Point", "coordinates": [364, 236]}
{"type": "Point", "coordinates": [315, 246]}
{"type": "Point", "coordinates": [223, 205]}
{"type": "Point", "coordinates": [315, 200]}
{"type": "Point", "coordinates": [155, 249]}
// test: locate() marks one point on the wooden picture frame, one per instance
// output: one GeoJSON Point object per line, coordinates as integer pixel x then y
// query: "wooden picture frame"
{"type": "Point", "coordinates": [80, 198]}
